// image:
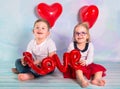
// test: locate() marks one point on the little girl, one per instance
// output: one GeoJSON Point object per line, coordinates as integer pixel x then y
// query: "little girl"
{"type": "Point", "coordinates": [40, 47]}
{"type": "Point", "coordinates": [90, 70]}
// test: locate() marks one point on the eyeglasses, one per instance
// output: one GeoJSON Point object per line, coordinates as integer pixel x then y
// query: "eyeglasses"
{"type": "Point", "coordinates": [80, 33]}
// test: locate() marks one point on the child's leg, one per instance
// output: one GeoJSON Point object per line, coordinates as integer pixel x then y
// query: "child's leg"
{"type": "Point", "coordinates": [14, 70]}
{"type": "Point", "coordinates": [97, 79]}
{"type": "Point", "coordinates": [20, 68]}
{"type": "Point", "coordinates": [80, 77]}
{"type": "Point", "coordinates": [18, 64]}
{"type": "Point", "coordinates": [25, 76]}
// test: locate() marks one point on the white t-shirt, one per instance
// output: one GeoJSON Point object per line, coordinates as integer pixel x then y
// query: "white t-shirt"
{"type": "Point", "coordinates": [86, 55]}
{"type": "Point", "coordinates": [42, 50]}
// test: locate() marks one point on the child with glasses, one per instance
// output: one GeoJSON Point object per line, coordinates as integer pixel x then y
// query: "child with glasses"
{"type": "Point", "coordinates": [93, 72]}
{"type": "Point", "coordinates": [40, 47]}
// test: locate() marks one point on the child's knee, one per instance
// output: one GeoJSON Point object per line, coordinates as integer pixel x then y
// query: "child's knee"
{"type": "Point", "coordinates": [17, 62]}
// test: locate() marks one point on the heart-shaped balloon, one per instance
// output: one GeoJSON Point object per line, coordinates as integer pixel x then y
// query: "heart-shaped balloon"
{"type": "Point", "coordinates": [89, 14]}
{"type": "Point", "coordinates": [49, 12]}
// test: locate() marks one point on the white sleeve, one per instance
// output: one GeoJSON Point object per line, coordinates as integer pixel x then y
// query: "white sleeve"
{"type": "Point", "coordinates": [70, 47]}
{"type": "Point", "coordinates": [29, 46]}
{"type": "Point", "coordinates": [90, 54]}
{"type": "Point", "coordinates": [51, 46]}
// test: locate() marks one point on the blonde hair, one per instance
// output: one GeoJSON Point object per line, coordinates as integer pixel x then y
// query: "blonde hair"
{"type": "Point", "coordinates": [85, 25]}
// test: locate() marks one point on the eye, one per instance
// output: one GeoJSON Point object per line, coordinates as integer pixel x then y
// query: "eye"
{"type": "Point", "coordinates": [80, 33]}
{"type": "Point", "coordinates": [77, 33]}
{"type": "Point", "coordinates": [36, 27]}
{"type": "Point", "coordinates": [83, 33]}
{"type": "Point", "coordinates": [43, 28]}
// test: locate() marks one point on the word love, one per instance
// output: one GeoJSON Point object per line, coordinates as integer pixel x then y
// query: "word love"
{"type": "Point", "coordinates": [48, 64]}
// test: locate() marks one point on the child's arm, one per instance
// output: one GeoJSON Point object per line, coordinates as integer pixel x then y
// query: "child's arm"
{"type": "Point", "coordinates": [51, 54]}
{"type": "Point", "coordinates": [90, 55]}
{"type": "Point", "coordinates": [23, 61]}
{"type": "Point", "coordinates": [51, 48]}
{"type": "Point", "coordinates": [82, 62]}
{"type": "Point", "coordinates": [37, 62]}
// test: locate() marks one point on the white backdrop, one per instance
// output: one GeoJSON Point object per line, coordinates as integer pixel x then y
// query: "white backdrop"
{"type": "Point", "coordinates": [17, 18]}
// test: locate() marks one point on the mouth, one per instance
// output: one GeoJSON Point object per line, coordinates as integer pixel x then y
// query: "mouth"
{"type": "Point", "coordinates": [79, 38]}
{"type": "Point", "coordinates": [39, 33]}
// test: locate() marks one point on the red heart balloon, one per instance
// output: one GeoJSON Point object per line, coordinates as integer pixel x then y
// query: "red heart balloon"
{"type": "Point", "coordinates": [49, 12]}
{"type": "Point", "coordinates": [89, 14]}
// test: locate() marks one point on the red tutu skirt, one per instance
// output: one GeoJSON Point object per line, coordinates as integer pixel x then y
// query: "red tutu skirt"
{"type": "Point", "coordinates": [88, 71]}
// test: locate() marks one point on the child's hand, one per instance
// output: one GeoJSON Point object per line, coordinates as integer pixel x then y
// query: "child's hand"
{"type": "Point", "coordinates": [83, 62]}
{"type": "Point", "coordinates": [37, 62]}
{"type": "Point", "coordinates": [23, 62]}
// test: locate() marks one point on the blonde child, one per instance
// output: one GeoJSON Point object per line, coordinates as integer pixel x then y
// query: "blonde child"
{"type": "Point", "coordinates": [40, 47]}
{"type": "Point", "coordinates": [90, 70]}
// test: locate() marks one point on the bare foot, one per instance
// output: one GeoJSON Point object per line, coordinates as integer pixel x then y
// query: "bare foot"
{"type": "Point", "coordinates": [84, 84]}
{"type": "Point", "coordinates": [25, 76]}
{"type": "Point", "coordinates": [14, 70]}
{"type": "Point", "coordinates": [98, 82]}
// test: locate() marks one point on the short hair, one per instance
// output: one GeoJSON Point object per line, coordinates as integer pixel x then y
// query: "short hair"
{"type": "Point", "coordinates": [42, 20]}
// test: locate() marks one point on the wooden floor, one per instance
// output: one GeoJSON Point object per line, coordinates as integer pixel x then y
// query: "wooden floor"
{"type": "Point", "coordinates": [8, 80]}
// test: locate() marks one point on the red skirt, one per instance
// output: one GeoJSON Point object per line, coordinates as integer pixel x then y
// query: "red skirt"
{"type": "Point", "coordinates": [88, 71]}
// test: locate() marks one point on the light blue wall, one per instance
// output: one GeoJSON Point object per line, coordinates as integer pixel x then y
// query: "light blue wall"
{"type": "Point", "coordinates": [17, 18]}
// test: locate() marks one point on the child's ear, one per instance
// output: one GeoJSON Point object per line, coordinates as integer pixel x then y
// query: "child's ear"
{"type": "Point", "coordinates": [33, 30]}
{"type": "Point", "coordinates": [49, 33]}
{"type": "Point", "coordinates": [87, 38]}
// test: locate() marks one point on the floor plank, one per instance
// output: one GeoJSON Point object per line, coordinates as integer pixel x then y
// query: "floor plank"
{"type": "Point", "coordinates": [8, 80]}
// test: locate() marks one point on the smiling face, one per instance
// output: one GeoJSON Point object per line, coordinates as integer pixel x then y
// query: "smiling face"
{"type": "Point", "coordinates": [41, 30]}
{"type": "Point", "coordinates": [81, 34]}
